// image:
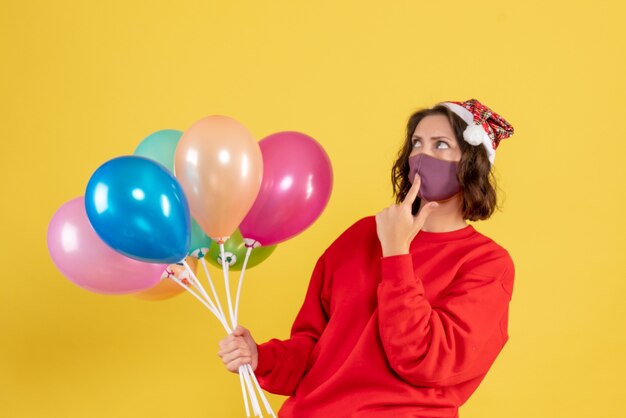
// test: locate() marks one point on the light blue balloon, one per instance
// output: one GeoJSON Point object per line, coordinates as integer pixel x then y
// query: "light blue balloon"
{"type": "Point", "coordinates": [160, 146]}
{"type": "Point", "coordinates": [139, 209]}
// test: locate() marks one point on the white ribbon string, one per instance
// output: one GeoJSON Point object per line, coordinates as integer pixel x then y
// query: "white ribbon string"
{"type": "Point", "coordinates": [255, 403]}
{"type": "Point", "coordinates": [227, 286]}
{"type": "Point", "coordinates": [198, 286]}
{"type": "Point", "coordinates": [266, 403]}
{"type": "Point", "coordinates": [245, 395]}
{"type": "Point", "coordinates": [205, 303]}
{"type": "Point", "coordinates": [217, 299]}
{"type": "Point", "coordinates": [243, 270]}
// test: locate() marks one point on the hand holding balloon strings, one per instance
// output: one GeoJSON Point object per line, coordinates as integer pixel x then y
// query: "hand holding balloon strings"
{"type": "Point", "coordinates": [271, 191]}
{"type": "Point", "coordinates": [246, 374]}
{"type": "Point", "coordinates": [247, 377]}
{"type": "Point", "coordinates": [246, 369]}
{"type": "Point", "coordinates": [224, 259]}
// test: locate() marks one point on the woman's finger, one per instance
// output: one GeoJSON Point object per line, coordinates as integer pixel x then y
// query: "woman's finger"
{"type": "Point", "coordinates": [413, 191]}
{"type": "Point", "coordinates": [239, 331]}
{"type": "Point", "coordinates": [227, 346]}
{"type": "Point", "coordinates": [236, 364]}
{"type": "Point", "coordinates": [239, 353]}
{"type": "Point", "coordinates": [231, 345]}
{"type": "Point", "coordinates": [226, 341]}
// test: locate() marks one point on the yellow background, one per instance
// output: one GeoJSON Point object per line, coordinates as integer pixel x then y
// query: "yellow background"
{"type": "Point", "coordinates": [83, 82]}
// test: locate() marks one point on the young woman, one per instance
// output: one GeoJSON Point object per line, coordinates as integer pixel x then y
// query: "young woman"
{"type": "Point", "coordinates": [406, 311]}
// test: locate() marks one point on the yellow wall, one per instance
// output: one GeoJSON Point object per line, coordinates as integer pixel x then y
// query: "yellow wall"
{"type": "Point", "coordinates": [83, 82]}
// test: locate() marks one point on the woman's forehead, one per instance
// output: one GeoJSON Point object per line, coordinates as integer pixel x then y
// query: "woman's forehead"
{"type": "Point", "coordinates": [434, 126]}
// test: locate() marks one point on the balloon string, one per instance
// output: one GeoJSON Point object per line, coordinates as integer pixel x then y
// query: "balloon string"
{"type": "Point", "coordinates": [245, 395]}
{"type": "Point", "coordinates": [205, 303]}
{"type": "Point", "coordinates": [248, 368]}
{"type": "Point", "coordinates": [225, 266]}
{"type": "Point", "coordinates": [256, 408]}
{"type": "Point", "coordinates": [186, 285]}
{"type": "Point", "coordinates": [243, 269]}
{"type": "Point", "coordinates": [268, 408]}
{"type": "Point", "coordinates": [217, 299]}
{"type": "Point", "coordinates": [197, 285]}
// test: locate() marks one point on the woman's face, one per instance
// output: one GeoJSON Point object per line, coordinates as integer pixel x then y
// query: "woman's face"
{"type": "Point", "coordinates": [434, 136]}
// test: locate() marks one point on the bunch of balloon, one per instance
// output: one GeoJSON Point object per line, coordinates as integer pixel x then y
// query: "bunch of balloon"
{"type": "Point", "coordinates": [213, 191]}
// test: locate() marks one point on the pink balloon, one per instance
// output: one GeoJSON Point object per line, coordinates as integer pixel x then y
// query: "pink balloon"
{"type": "Point", "coordinates": [297, 182]}
{"type": "Point", "coordinates": [87, 261]}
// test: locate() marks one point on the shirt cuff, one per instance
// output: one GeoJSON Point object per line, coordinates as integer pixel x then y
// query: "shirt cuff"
{"type": "Point", "coordinates": [399, 268]}
{"type": "Point", "coordinates": [265, 361]}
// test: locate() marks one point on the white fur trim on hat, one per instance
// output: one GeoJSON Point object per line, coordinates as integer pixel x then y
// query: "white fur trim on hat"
{"type": "Point", "coordinates": [460, 111]}
{"type": "Point", "coordinates": [491, 153]}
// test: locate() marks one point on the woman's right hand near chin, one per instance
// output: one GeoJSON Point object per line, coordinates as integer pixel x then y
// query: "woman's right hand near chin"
{"type": "Point", "coordinates": [238, 349]}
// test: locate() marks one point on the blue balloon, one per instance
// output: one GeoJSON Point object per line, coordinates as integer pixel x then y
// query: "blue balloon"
{"type": "Point", "coordinates": [138, 208]}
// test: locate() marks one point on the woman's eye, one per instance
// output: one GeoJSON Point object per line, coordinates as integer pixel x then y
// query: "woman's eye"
{"type": "Point", "coordinates": [442, 145]}
{"type": "Point", "coordinates": [416, 143]}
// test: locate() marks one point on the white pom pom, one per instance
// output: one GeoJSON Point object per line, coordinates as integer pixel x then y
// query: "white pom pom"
{"type": "Point", "coordinates": [474, 134]}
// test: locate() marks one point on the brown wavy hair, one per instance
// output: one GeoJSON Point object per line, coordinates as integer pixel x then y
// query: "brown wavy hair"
{"type": "Point", "coordinates": [478, 183]}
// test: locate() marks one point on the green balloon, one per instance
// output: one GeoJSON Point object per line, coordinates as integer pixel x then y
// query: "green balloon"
{"type": "Point", "coordinates": [235, 252]}
{"type": "Point", "coordinates": [160, 146]}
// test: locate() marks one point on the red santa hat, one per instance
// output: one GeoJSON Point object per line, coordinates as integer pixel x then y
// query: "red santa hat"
{"type": "Point", "coordinates": [484, 126]}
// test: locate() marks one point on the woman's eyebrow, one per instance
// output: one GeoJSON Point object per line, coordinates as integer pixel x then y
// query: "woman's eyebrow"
{"type": "Point", "coordinates": [432, 137]}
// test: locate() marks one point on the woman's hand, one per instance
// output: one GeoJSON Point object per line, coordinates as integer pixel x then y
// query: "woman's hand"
{"type": "Point", "coordinates": [238, 349]}
{"type": "Point", "coordinates": [396, 226]}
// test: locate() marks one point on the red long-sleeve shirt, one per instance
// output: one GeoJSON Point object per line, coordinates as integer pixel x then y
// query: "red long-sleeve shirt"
{"type": "Point", "coordinates": [402, 336]}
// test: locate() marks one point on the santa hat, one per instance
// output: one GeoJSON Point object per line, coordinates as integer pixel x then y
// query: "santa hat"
{"type": "Point", "coordinates": [484, 126]}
